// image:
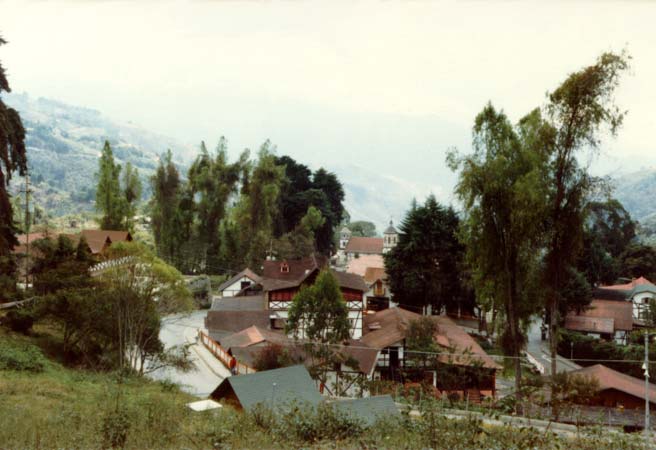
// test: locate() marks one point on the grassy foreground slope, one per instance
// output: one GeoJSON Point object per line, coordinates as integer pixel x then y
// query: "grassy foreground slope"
{"type": "Point", "coordinates": [46, 405]}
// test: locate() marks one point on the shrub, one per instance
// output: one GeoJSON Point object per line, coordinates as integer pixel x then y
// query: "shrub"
{"type": "Point", "coordinates": [19, 320]}
{"type": "Point", "coordinates": [115, 427]}
{"type": "Point", "coordinates": [21, 357]}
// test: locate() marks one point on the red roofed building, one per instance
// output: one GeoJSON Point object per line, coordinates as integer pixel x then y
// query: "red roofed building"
{"type": "Point", "coordinates": [386, 331]}
{"type": "Point", "coordinates": [606, 319]}
{"type": "Point", "coordinates": [282, 280]}
{"type": "Point", "coordinates": [617, 389]}
{"type": "Point", "coordinates": [639, 292]}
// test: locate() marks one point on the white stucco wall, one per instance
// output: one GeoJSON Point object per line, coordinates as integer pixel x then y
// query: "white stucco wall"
{"type": "Point", "coordinates": [235, 287]}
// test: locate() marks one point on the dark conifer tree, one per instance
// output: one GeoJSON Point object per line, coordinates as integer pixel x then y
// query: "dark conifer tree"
{"type": "Point", "coordinates": [12, 158]}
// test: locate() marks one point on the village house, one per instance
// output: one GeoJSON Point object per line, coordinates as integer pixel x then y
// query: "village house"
{"type": "Point", "coordinates": [604, 319]}
{"type": "Point", "coordinates": [238, 283]}
{"type": "Point", "coordinates": [617, 389]}
{"type": "Point", "coordinates": [97, 241]}
{"type": "Point", "coordinates": [464, 369]}
{"type": "Point", "coordinates": [379, 295]}
{"type": "Point", "coordinates": [281, 389]}
{"type": "Point", "coordinates": [282, 280]}
{"type": "Point", "coordinates": [615, 311]}
{"type": "Point", "coordinates": [639, 292]}
{"type": "Point", "coordinates": [351, 247]}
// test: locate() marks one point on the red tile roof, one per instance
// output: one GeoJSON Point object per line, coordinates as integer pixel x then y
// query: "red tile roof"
{"type": "Point", "coordinates": [252, 336]}
{"type": "Point", "coordinates": [612, 379]}
{"type": "Point", "coordinates": [364, 245]}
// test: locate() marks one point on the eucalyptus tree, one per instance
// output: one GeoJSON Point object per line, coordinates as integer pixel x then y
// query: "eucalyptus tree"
{"type": "Point", "coordinates": [166, 213]}
{"type": "Point", "coordinates": [212, 181]}
{"type": "Point", "coordinates": [259, 203]}
{"type": "Point", "coordinates": [502, 192]}
{"type": "Point", "coordinates": [576, 115]}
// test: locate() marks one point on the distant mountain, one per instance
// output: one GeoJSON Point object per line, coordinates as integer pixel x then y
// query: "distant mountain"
{"type": "Point", "coordinates": [63, 145]}
{"type": "Point", "coordinates": [637, 192]}
{"type": "Point", "coordinates": [64, 142]}
{"type": "Point", "coordinates": [379, 198]}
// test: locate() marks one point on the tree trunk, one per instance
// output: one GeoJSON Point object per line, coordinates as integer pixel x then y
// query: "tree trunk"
{"type": "Point", "coordinates": [553, 347]}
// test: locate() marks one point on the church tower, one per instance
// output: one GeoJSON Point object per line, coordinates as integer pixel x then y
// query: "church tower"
{"type": "Point", "coordinates": [344, 238]}
{"type": "Point", "coordinates": [390, 238]}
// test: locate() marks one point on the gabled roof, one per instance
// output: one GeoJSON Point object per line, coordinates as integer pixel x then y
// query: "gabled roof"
{"type": "Point", "coordinates": [350, 281]}
{"type": "Point", "coordinates": [234, 321]}
{"type": "Point", "coordinates": [373, 274]}
{"type": "Point", "coordinates": [252, 336]}
{"type": "Point", "coordinates": [389, 327]}
{"type": "Point", "coordinates": [612, 379]}
{"type": "Point", "coordinates": [602, 316]}
{"type": "Point", "coordinates": [368, 409]}
{"type": "Point", "coordinates": [366, 356]}
{"type": "Point", "coordinates": [297, 269]}
{"type": "Point", "coordinates": [277, 388]}
{"type": "Point", "coordinates": [364, 245]}
{"type": "Point", "coordinates": [248, 273]}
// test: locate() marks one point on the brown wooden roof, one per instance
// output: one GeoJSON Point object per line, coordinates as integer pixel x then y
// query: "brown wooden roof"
{"type": "Point", "coordinates": [389, 327]}
{"type": "Point", "coordinates": [612, 379]}
{"type": "Point", "coordinates": [602, 316]}
{"type": "Point", "coordinates": [253, 335]}
{"type": "Point", "coordinates": [298, 268]}
{"type": "Point", "coordinates": [235, 321]}
{"type": "Point", "coordinates": [373, 274]}
{"type": "Point", "coordinates": [364, 245]}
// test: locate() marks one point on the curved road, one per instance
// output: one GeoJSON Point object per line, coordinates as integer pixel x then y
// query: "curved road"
{"type": "Point", "coordinates": [208, 373]}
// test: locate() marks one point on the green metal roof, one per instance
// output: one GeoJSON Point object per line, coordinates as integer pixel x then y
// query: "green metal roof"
{"type": "Point", "coordinates": [639, 289]}
{"type": "Point", "coordinates": [368, 409]}
{"type": "Point", "coordinates": [275, 388]}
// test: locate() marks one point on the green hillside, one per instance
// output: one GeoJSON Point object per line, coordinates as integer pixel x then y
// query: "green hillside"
{"type": "Point", "coordinates": [63, 145]}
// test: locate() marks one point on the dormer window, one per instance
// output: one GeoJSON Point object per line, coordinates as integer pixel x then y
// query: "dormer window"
{"type": "Point", "coordinates": [284, 268]}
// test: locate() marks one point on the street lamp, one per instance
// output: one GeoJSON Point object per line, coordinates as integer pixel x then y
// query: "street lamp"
{"type": "Point", "coordinates": [645, 367]}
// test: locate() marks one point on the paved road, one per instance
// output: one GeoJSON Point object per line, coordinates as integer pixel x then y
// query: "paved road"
{"type": "Point", "coordinates": [208, 373]}
{"type": "Point", "coordinates": [538, 352]}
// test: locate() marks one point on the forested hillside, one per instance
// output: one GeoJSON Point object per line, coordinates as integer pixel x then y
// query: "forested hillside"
{"type": "Point", "coordinates": [63, 145]}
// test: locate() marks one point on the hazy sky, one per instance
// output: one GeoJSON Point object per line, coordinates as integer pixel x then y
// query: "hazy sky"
{"type": "Point", "coordinates": [385, 85]}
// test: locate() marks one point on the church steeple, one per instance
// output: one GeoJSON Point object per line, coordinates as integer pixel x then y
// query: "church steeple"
{"type": "Point", "coordinates": [390, 238]}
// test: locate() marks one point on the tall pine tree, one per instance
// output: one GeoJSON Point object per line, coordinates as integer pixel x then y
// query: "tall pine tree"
{"type": "Point", "coordinates": [109, 200]}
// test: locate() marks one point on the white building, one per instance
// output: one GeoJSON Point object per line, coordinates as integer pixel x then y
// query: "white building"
{"type": "Point", "coordinates": [242, 280]}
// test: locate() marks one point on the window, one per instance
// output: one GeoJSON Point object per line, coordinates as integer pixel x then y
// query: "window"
{"type": "Point", "coordinates": [245, 284]}
{"type": "Point", "coordinates": [284, 268]}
